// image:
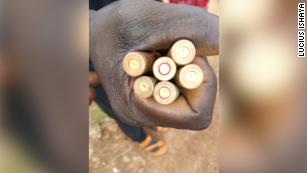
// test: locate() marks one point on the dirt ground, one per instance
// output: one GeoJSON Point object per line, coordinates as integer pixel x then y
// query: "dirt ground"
{"type": "Point", "coordinates": [110, 151]}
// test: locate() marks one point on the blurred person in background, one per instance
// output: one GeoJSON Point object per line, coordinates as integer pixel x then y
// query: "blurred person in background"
{"type": "Point", "coordinates": [263, 89]}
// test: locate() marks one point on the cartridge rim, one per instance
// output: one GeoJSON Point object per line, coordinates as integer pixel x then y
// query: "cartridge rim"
{"type": "Point", "coordinates": [144, 86]}
{"type": "Point", "coordinates": [190, 76]}
{"type": "Point", "coordinates": [134, 64]}
{"type": "Point", "coordinates": [164, 68]}
{"type": "Point", "coordinates": [183, 52]}
{"type": "Point", "coordinates": [165, 92]}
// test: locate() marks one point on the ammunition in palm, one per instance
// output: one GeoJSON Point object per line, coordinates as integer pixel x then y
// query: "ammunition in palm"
{"type": "Point", "coordinates": [165, 92]}
{"type": "Point", "coordinates": [190, 76]}
{"type": "Point", "coordinates": [183, 52]}
{"type": "Point", "coordinates": [137, 63]}
{"type": "Point", "coordinates": [164, 68]}
{"type": "Point", "coordinates": [144, 86]}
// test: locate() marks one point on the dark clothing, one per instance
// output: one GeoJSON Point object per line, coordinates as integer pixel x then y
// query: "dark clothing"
{"type": "Point", "coordinates": [98, 4]}
{"type": "Point", "coordinates": [135, 133]}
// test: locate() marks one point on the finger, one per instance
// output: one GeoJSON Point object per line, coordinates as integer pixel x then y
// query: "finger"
{"type": "Point", "coordinates": [206, 93]}
{"type": "Point", "coordinates": [91, 95]}
{"type": "Point", "coordinates": [158, 29]}
{"type": "Point", "coordinates": [93, 79]}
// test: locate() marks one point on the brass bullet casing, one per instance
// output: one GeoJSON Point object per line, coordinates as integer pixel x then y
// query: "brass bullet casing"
{"type": "Point", "coordinates": [164, 68]}
{"type": "Point", "coordinates": [144, 86]}
{"type": "Point", "coordinates": [183, 52]}
{"type": "Point", "coordinates": [165, 92]}
{"type": "Point", "coordinates": [190, 76]}
{"type": "Point", "coordinates": [137, 63]}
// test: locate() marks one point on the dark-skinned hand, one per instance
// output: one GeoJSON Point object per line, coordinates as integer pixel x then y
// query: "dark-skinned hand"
{"type": "Point", "coordinates": [146, 25]}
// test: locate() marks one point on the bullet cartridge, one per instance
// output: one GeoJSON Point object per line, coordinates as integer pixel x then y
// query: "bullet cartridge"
{"type": "Point", "coordinates": [164, 68]}
{"type": "Point", "coordinates": [183, 52]}
{"type": "Point", "coordinates": [144, 86]}
{"type": "Point", "coordinates": [137, 63]}
{"type": "Point", "coordinates": [190, 76]}
{"type": "Point", "coordinates": [165, 92]}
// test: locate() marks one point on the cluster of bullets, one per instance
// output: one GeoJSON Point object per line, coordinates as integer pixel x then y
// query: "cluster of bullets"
{"type": "Point", "coordinates": [164, 70]}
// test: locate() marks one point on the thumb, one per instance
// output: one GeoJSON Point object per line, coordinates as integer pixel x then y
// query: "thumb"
{"type": "Point", "coordinates": [158, 29]}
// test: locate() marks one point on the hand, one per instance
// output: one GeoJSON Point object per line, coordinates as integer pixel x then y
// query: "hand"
{"type": "Point", "coordinates": [134, 25]}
